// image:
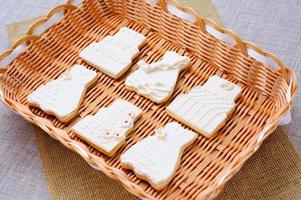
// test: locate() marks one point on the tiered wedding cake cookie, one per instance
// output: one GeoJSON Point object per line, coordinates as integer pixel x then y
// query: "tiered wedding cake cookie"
{"type": "Point", "coordinates": [206, 108]}
{"type": "Point", "coordinates": [156, 158]}
{"type": "Point", "coordinates": [63, 96]}
{"type": "Point", "coordinates": [107, 129]}
{"type": "Point", "coordinates": [157, 81]}
{"type": "Point", "coordinates": [113, 55]}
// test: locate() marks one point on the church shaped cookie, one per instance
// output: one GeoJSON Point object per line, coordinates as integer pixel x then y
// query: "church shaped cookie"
{"type": "Point", "coordinates": [156, 158]}
{"type": "Point", "coordinates": [113, 55]}
{"type": "Point", "coordinates": [206, 108]}
{"type": "Point", "coordinates": [156, 81]}
{"type": "Point", "coordinates": [63, 96]}
{"type": "Point", "coordinates": [108, 128]}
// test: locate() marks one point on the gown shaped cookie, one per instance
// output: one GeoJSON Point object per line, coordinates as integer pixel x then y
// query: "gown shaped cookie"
{"type": "Point", "coordinates": [206, 108]}
{"type": "Point", "coordinates": [107, 129]}
{"type": "Point", "coordinates": [113, 55]}
{"type": "Point", "coordinates": [63, 96]}
{"type": "Point", "coordinates": [156, 158]}
{"type": "Point", "coordinates": [157, 81]}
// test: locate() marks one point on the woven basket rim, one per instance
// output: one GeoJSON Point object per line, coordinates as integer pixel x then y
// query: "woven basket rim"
{"type": "Point", "coordinates": [99, 163]}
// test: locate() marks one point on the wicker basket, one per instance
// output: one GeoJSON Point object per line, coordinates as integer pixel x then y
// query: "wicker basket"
{"type": "Point", "coordinates": [208, 163]}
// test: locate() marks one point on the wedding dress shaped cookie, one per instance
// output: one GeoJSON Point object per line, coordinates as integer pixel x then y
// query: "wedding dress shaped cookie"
{"type": "Point", "coordinates": [107, 129]}
{"type": "Point", "coordinates": [157, 81]}
{"type": "Point", "coordinates": [63, 96]}
{"type": "Point", "coordinates": [114, 54]}
{"type": "Point", "coordinates": [206, 108]}
{"type": "Point", "coordinates": [156, 158]}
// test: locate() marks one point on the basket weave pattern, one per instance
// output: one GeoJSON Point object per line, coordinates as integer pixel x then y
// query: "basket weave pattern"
{"type": "Point", "coordinates": [208, 163]}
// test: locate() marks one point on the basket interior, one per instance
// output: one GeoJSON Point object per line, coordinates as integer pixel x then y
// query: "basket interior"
{"type": "Point", "coordinates": [204, 160]}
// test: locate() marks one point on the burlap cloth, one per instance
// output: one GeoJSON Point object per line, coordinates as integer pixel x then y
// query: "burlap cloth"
{"type": "Point", "coordinates": [274, 172]}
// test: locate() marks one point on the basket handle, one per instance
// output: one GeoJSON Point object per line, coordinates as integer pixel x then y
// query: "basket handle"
{"type": "Point", "coordinates": [65, 7]}
{"type": "Point", "coordinates": [267, 55]}
{"type": "Point", "coordinates": [245, 47]}
{"type": "Point", "coordinates": [187, 10]}
{"type": "Point", "coordinates": [25, 39]}
{"type": "Point", "coordinates": [29, 36]}
{"type": "Point", "coordinates": [239, 43]}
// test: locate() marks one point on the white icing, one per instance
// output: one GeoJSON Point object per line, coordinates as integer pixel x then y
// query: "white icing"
{"type": "Point", "coordinates": [130, 37]}
{"type": "Point", "coordinates": [158, 80]}
{"type": "Point", "coordinates": [109, 126]}
{"type": "Point", "coordinates": [156, 157]}
{"type": "Point", "coordinates": [222, 87]}
{"type": "Point", "coordinates": [63, 95]}
{"type": "Point", "coordinates": [205, 108]}
{"type": "Point", "coordinates": [114, 54]}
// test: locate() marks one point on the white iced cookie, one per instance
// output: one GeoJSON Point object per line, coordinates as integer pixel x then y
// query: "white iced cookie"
{"type": "Point", "coordinates": [156, 81]}
{"type": "Point", "coordinates": [114, 54]}
{"type": "Point", "coordinates": [107, 129]}
{"type": "Point", "coordinates": [206, 108]}
{"type": "Point", "coordinates": [156, 158]}
{"type": "Point", "coordinates": [63, 96]}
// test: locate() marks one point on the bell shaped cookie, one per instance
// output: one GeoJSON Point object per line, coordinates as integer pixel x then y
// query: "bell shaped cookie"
{"type": "Point", "coordinates": [156, 158]}
{"type": "Point", "coordinates": [63, 96]}
{"type": "Point", "coordinates": [156, 81]}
